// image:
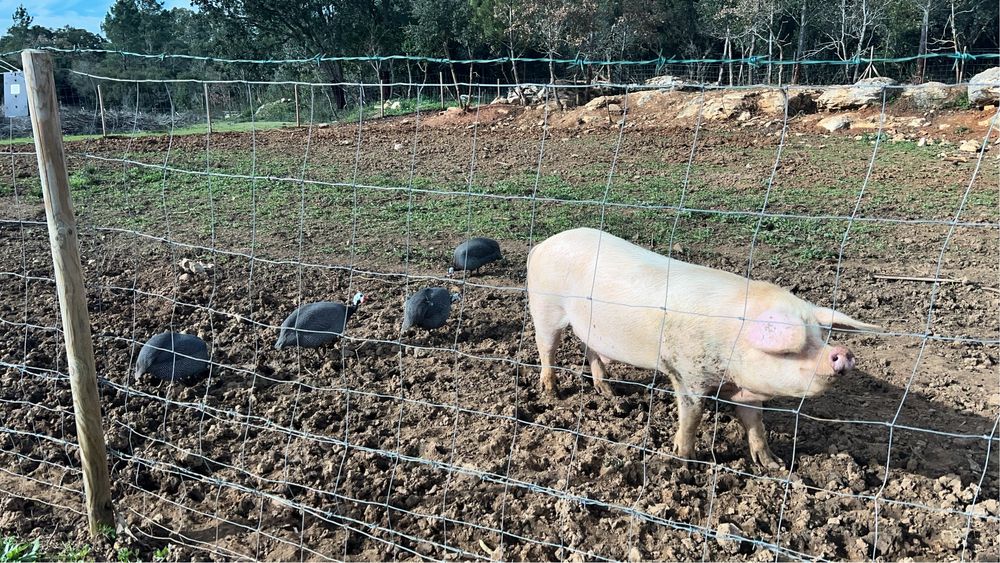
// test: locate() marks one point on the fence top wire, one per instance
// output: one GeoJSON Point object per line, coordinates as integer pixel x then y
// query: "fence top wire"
{"type": "Point", "coordinates": [577, 60]}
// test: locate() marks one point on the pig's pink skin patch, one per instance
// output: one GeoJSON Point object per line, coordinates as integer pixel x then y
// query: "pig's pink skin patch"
{"type": "Point", "coordinates": [776, 332]}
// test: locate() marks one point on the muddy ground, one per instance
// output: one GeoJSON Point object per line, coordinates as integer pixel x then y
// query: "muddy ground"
{"type": "Point", "coordinates": [440, 445]}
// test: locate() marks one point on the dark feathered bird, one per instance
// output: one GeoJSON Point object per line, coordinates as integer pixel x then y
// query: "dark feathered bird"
{"type": "Point", "coordinates": [173, 356]}
{"type": "Point", "coordinates": [475, 253]}
{"type": "Point", "coordinates": [316, 324]}
{"type": "Point", "coordinates": [428, 308]}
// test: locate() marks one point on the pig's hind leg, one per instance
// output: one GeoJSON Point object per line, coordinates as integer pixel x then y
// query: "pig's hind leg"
{"type": "Point", "coordinates": [600, 372]}
{"type": "Point", "coordinates": [549, 326]}
{"type": "Point", "coordinates": [752, 418]}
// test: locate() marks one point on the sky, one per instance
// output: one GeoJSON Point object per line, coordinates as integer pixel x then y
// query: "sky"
{"type": "Point", "coordinates": [87, 14]}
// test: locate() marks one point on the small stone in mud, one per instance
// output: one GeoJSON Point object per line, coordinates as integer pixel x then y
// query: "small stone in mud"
{"type": "Point", "coordinates": [728, 537]}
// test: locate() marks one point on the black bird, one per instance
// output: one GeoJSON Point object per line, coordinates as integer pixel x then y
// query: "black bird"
{"type": "Point", "coordinates": [317, 324]}
{"type": "Point", "coordinates": [173, 356]}
{"type": "Point", "coordinates": [428, 308]}
{"type": "Point", "coordinates": [474, 254]}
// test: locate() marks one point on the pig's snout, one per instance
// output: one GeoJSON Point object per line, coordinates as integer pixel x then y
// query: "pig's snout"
{"type": "Point", "coordinates": [841, 360]}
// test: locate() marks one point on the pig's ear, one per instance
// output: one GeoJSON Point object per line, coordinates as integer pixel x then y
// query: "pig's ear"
{"type": "Point", "coordinates": [776, 332]}
{"type": "Point", "coordinates": [840, 321]}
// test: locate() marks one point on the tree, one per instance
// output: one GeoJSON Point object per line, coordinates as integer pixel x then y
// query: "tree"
{"type": "Point", "coordinates": [140, 25]}
{"type": "Point", "coordinates": [506, 29]}
{"type": "Point", "coordinates": [311, 27]}
{"type": "Point", "coordinates": [24, 34]}
{"type": "Point", "coordinates": [441, 28]}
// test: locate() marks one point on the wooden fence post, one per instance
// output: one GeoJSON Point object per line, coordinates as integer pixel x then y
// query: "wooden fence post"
{"type": "Point", "coordinates": [100, 101]}
{"type": "Point", "coordinates": [381, 99]}
{"type": "Point", "coordinates": [441, 82]}
{"type": "Point", "coordinates": [208, 109]}
{"type": "Point", "coordinates": [45, 124]}
{"type": "Point", "coordinates": [298, 122]}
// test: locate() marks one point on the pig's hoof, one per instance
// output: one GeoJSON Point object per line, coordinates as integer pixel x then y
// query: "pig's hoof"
{"type": "Point", "coordinates": [550, 390]}
{"type": "Point", "coordinates": [604, 388]}
{"type": "Point", "coordinates": [685, 453]}
{"type": "Point", "coordinates": [767, 459]}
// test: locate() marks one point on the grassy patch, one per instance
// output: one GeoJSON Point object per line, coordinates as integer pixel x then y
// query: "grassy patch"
{"type": "Point", "coordinates": [12, 549]}
{"type": "Point", "coordinates": [200, 129]}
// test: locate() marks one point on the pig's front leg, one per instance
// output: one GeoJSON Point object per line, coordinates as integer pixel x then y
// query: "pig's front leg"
{"type": "Point", "coordinates": [752, 418]}
{"type": "Point", "coordinates": [689, 409]}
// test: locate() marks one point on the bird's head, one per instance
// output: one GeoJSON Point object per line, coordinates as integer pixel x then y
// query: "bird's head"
{"type": "Point", "coordinates": [451, 271]}
{"type": "Point", "coordinates": [359, 298]}
{"type": "Point", "coordinates": [455, 296]}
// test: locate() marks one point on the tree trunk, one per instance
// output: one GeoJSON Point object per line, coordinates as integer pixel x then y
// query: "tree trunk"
{"type": "Point", "coordinates": [843, 40]}
{"type": "Point", "coordinates": [409, 80]}
{"type": "Point", "coordinates": [862, 39]}
{"type": "Point", "coordinates": [335, 74]}
{"type": "Point", "coordinates": [922, 48]}
{"type": "Point", "coordinates": [385, 82]}
{"type": "Point", "coordinates": [729, 43]}
{"type": "Point", "coordinates": [959, 68]}
{"type": "Point", "coordinates": [517, 79]}
{"type": "Point", "coordinates": [722, 67]}
{"type": "Point", "coordinates": [800, 46]}
{"type": "Point", "coordinates": [770, 44]}
{"type": "Point", "coordinates": [454, 80]}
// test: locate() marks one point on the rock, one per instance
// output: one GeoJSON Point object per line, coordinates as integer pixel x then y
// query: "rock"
{"type": "Point", "coordinates": [614, 108]}
{"type": "Point", "coordinates": [666, 83]}
{"type": "Point", "coordinates": [639, 99]}
{"type": "Point", "coordinates": [970, 145]}
{"type": "Point", "coordinates": [801, 101]}
{"type": "Point", "coordinates": [728, 536]}
{"type": "Point", "coordinates": [984, 88]}
{"type": "Point", "coordinates": [922, 141]}
{"type": "Point", "coordinates": [988, 507]}
{"type": "Point", "coordinates": [834, 123]}
{"type": "Point", "coordinates": [634, 555]}
{"type": "Point", "coordinates": [600, 101]}
{"type": "Point", "coordinates": [931, 95]}
{"type": "Point", "coordinates": [192, 267]}
{"type": "Point", "coordinates": [986, 122]}
{"type": "Point", "coordinates": [869, 124]}
{"type": "Point", "coordinates": [864, 92]}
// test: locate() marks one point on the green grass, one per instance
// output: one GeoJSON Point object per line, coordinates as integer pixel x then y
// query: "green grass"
{"type": "Point", "coordinates": [162, 553]}
{"type": "Point", "coordinates": [200, 129]}
{"type": "Point", "coordinates": [72, 553]}
{"type": "Point", "coordinates": [13, 549]}
{"type": "Point", "coordinates": [642, 198]}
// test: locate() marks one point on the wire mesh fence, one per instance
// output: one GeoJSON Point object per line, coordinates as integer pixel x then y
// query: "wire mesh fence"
{"type": "Point", "coordinates": [440, 444]}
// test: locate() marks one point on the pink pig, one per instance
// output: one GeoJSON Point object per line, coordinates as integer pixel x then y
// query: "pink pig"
{"type": "Point", "coordinates": [710, 331]}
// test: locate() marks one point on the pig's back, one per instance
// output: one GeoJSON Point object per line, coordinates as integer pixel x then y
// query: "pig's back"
{"type": "Point", "coordinates": [628, 284]}
{"type": "Point", "coordinates": [586, 262]}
